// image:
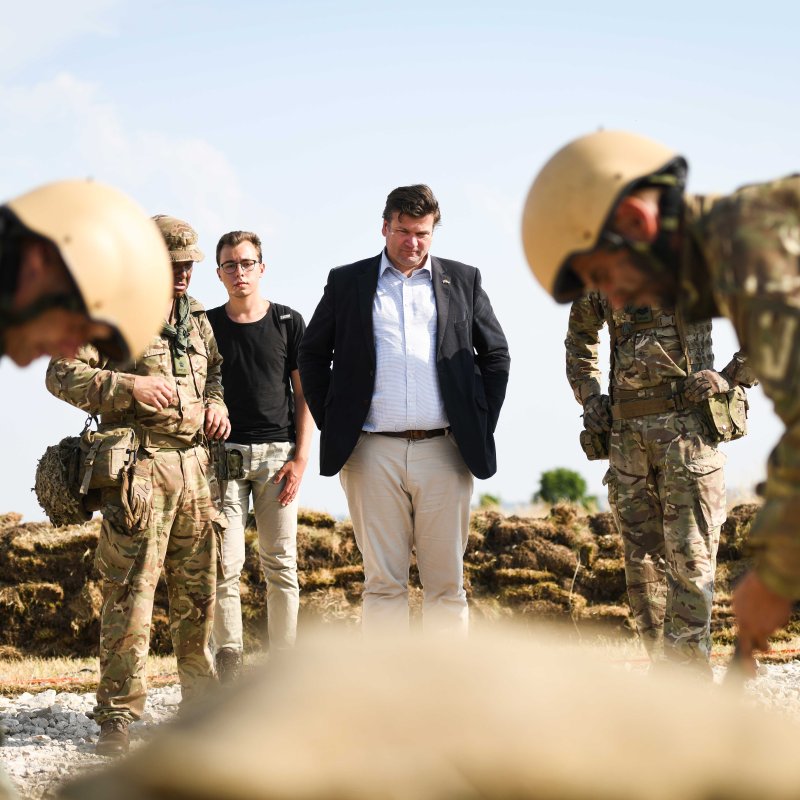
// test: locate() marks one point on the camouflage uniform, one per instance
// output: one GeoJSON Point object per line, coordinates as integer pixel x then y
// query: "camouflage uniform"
{"type": "Point", "coordinates": [173, 485]}
{"type": "Point", "coordinates": [745, 248]}
{"type": "Point", "coordinates": [666, 485]}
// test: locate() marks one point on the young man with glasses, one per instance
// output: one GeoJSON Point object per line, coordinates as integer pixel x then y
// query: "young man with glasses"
{"type": "Point", "coordinates": [267, 450]}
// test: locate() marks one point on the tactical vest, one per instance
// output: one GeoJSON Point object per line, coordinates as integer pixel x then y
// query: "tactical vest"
{"type": "Point", "coordinates": [648, 371]}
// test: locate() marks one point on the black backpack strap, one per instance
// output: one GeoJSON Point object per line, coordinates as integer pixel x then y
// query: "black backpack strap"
{"type": "Point", "coordinates": [285, 318]}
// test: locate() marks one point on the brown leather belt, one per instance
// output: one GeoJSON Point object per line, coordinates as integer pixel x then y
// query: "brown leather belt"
{"type": "Point", "coordinates": [415, 435]}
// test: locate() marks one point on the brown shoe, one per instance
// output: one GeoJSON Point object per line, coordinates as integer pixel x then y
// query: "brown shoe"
{"type": "Point", "coordinates": [229, 665]}
{"type": "Point", "coordinates": [113, 739]}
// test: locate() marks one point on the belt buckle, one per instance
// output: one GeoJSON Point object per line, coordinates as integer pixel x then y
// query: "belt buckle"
{"type": "Point", "coordinates": [416, 435]}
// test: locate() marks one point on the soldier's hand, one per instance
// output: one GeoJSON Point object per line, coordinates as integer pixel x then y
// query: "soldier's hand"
{"type": "Point", "coordinates": [597, 413]}
{"type": "Point", "coordinates": [704, 384]}
{"type": "Point", "coordinates": [292, 471]}
{"type": "Point", "coordinates": [218, 425]}
{"type": "Point", "coordinates": [153, 390]}
{"type": "Point", "coordinates": [759, 613]}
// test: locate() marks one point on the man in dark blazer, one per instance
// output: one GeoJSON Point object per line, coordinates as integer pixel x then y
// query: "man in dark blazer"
{"type": "Point", "coordinates": [404, 367]}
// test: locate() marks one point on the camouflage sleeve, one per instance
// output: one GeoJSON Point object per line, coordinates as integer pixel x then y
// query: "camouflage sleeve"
{"type": "Point", "coordinates": [739, 372]}
{"type": "Point", "coordinates": [753, 241]}
{"type": "Point", "coordinates": [88, 383]}
{"type": "Point", "coordinates": [586, 320]}
{"type": "Point", "coordinates": [774, 354]}
{"type": "Point", "coordinates": [213, 392]}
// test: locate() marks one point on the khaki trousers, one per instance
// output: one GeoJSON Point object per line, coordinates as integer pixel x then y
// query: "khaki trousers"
{"type": "Point", "coordinates": [277, 547]}
{"type": "Point", "coordinates": [402, 495]}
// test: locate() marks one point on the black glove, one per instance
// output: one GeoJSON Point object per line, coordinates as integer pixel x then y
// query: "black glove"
{"type": "Point", "coordinates": [597, 413]}
{"type": "Point", "coordinates": [705, 384]}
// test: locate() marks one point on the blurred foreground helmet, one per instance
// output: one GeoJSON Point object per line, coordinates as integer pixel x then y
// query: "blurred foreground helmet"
{"type": "Point", "coordinates": [573, 196]}
{"type": "Point", "coordinates": [113, 251]}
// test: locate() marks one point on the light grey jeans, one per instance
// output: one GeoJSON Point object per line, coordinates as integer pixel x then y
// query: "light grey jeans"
{"type": "Point", "coordinates": [277, 547]}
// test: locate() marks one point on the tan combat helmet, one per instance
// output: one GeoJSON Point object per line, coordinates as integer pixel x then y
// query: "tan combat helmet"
{"type": "Point", "coordinates": [573, 196]}
{"type": "Point", "coordinates": [113, 251]}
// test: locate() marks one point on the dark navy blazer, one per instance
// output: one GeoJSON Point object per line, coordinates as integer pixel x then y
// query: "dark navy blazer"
{"type": "Point", "coordinates": [337, 361]}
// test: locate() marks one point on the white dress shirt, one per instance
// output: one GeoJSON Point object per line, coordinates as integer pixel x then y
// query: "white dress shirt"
{"type": "Point", "coordinates": [404, 321]}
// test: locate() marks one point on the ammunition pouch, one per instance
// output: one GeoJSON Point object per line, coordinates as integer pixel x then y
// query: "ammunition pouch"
{"type": "Point", "coordinates": [70, 474]}
{"type": "Point", "coordinates": [726, 414]}
{"type": "Point", "coordinates": [219, 463]}
{"type": "Point", "coordinates": [106, 454]}
{"type": "Point", "coordinates": [235, 465]}
{"type": "Point", "coordinates": [219, 459]}
{"type": "Point", "coordinates": [594, 445]}
{"type": "Point", "coordinates": [137, 495]}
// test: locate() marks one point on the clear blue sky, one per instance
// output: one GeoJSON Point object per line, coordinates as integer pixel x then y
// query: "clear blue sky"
{"type": "Point", "coordinates": [296, 119]}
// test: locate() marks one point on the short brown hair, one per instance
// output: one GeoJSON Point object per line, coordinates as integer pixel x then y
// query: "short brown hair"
{"type": "Point", "coordinates": [413, 201]}
{"type": "Point", "coordinates": [233, 238]}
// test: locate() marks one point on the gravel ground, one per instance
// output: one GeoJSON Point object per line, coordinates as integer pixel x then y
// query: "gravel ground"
{"type": "Point", "coordinates": [49, 736]}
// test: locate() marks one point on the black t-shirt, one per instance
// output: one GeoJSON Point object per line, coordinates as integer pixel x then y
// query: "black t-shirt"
{"type": "Point", "coordinates": [257, 358]}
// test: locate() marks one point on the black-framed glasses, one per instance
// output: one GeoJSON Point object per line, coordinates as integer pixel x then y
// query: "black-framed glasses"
{"type": "Point", "coordinates": [229, 267]}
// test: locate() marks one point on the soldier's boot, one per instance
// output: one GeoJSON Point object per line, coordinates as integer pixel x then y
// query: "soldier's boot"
{"type": "Point", "coordinates": [229, 665]}
{"type": "Point", "coordinates": [113, 739]}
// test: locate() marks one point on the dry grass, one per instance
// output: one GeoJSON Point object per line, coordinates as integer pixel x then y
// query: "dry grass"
{"type": "Point", "coordinates": [560, 565]}
{"type": "Point", "coordinates": [18, 675]}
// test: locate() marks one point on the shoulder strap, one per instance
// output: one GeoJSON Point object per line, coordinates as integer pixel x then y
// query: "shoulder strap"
{"type": "Point", "coordinates": [213, 313]}
{"type": "Point", "coordinates": [680, 324]}
{"type": "Point", "coordinates": [285, 318]}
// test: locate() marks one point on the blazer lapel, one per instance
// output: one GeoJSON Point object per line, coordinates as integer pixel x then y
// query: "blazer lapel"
{"type": "Point", "coordinates": [441, 291]}
{"type": "Point", "coordinates": [367, 284]}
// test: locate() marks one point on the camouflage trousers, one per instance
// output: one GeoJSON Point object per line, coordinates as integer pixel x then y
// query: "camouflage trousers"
{"type": "Point", "coordinates": [180, 537]}
{"type": "Point", "coordinates": [666, 489]}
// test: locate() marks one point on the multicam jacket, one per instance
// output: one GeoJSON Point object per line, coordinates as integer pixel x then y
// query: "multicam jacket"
{"type": "Point", "coordinates": [742, 259]}
{"type": "Point", "coordinates": [96, 385]}
{"type": "Point", "coordinates": [648, 348]}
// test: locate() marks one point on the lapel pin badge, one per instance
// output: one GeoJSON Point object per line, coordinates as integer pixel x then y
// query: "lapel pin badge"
{"type": "Point", "coordinates": [446, 281]}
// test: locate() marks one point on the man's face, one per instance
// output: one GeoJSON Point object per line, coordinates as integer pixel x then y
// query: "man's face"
{"type": "Point", "coordinates": [241, 282]}
{"type": "Point", "coordinates": [626, 276]}
{"type": "Point", "coordinates": [616, 274]}
{"type": "Point", "coordinates": [56, 332]}
{"type": "Point", "coordinates": [408, 240]}
{"type": "Point", "coordinates": [181, 276]}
